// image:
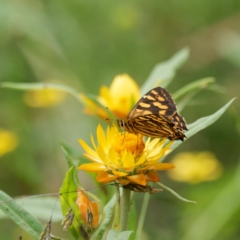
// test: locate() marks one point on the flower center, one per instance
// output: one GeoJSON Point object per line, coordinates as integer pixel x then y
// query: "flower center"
{"type": "Point", "coordinates": [127, 141]}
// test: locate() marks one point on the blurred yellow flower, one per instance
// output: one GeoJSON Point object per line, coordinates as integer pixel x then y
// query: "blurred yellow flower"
{"type": "Point", "coordinates": [195, 167]}
{"type": "Point", "coordinates": [43, 97]}
{"type": "Point", "coordinates": [119, 98]}
{"type": "Point", "coordinates": [8, 141]}
{"type": "Point", "coordinates": [125, 157]}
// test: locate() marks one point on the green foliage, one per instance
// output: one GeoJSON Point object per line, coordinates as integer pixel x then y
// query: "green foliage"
{"type": "Point", "coordinates": [113, 234]}
{"type": "Point", "coordinates": [21, 217]}
{"type": "Point", "coordinates": [202, 123]}
{"type": "Point", "coordinates": [164, 72]}
{"type": "Point", "coordinates": [107, 217]}
{"type": "Point", "coordinates": [68, 196]}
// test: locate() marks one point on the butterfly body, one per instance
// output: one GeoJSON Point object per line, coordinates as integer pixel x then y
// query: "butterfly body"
{"type": "Point", "coordinates": [155, 115]}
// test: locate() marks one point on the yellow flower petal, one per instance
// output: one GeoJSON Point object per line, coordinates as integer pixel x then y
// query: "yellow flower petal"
{"type": "Point", "coordinates": [102, 138]}
{"type": "Point", "coordinates": [152, 177]}
{"type": "Point", "coordinates": [93, 142]}
{"type": "Point", "coordinates": [141, 160]}
{"type": "Point", "coordinates": [123, 181]}
{"type": "Point", "coordinates": [139, 179]}
{"type": "Point", "coordinates": [158, 167]}
{"type": "Point", "coordinates": [105, 97]}
{"type": "Point", "coordinates": [124, 93]}
{"type": "Point", "coordinates": [128, 161]}
{"type": "Point", "coordinates": [113, 158]}
{"type": "Point", "coordinates": [92, 158]}
{"type": "Point", "coordinates": [93, 167]}
{"type": "Point", "coordinates": [102, 154]}
{"type": "Point", "coordinates": [105, 177]}
{"type": "Point", "coordinates": [120, 174]}
{"type": "Point", "coordinates": [89, 150]}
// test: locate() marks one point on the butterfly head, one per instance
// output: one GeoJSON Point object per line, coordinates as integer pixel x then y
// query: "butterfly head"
{"type": "Point", "coordinates": [121, 123]}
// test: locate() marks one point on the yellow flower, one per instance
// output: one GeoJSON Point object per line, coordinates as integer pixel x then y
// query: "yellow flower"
{"type": "Point", "coordinates": [8, 141]}
{"type": "Point", "coordinates": [43, 97]}
{"type": "Point", "coordinates": [125, 157]}
{"type": "Point", "coordinates": [195, 167]}
{"type": "Point", "coordinates": [119, 98]}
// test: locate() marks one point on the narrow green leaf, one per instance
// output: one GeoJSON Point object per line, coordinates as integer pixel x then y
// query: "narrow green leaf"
{"type": "Point", "coordinates": [41, 86]}
{"type": "Point", "coordinates": [202, 123]}
{"type": "Point", "coordinates": [186, 99]}
{"type": "Point", "coordinates": [174, 193]}
{"type": "Point", "coordinates": [48, 204]}
{"type": "Point", "coordinates": [199, 84]}
{"type": "Point", "coordinates": [68, 158]}
{"type": "Point", "coordinates": [68, 196]}
{"type": "Point", "coordinates": [164, 72]}
{"type": "Point", "coordinates": [21, 217]}
{"type": "Point", "coordinates": [108, 213]}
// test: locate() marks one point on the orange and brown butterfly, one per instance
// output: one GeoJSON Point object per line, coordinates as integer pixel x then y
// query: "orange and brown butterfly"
{"type": "Point", "coordinates": [155, 115]}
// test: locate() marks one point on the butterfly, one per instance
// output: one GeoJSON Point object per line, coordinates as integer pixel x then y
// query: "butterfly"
{"type": "Point", "coordinates": [155, 115]}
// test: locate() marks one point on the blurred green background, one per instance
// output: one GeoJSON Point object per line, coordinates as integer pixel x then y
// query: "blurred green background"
{"type": "Point", "coordinates": [85, 44]}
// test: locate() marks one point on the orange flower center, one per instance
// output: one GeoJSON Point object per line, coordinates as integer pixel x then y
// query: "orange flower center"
{"type": "Point", "coordinates": [127, 141]}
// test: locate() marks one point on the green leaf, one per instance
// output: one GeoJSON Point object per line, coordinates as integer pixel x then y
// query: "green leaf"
{"type": "Point", "coordinates": [164, 72]}
{"type": "Point", "coordinates": [68, 196]}
{"type": "Point", "coordinates": [68, 157]}
{"type": "Point", "coordinates": [199, 84]}
{"type": "Point", "coordinates": [125, 235]}
{"type": "Point", "coordinates": [108, 213]}
{"type": "Point", "coordinates": [48, 204]}
{"type": "Point", "coordinates": [174, 193]}
{"type": "Point", "coordinates": [41, 86]}
{"type": "Point", "coordinates": [202, 123]}
{"type": "Point", "coordinates": [186, 99]}
{"type": "Point", "coordinates": [21, 217]}
{"type": "Point", "coordinates": [113, 234]}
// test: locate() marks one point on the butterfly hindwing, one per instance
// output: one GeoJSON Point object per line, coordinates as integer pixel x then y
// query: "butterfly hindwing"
{"type": "Point", "coordinates": [152, 125]}
{"type": "Point", "coordinates": [179, 121]}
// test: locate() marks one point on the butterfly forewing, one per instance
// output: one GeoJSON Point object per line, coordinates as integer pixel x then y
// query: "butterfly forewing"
{"type": "Point", "coordinates": [155, 115]}
{"type": "Point", "coordinates": [157, 101]}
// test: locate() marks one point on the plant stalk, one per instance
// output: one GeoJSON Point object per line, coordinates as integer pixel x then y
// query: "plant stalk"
{"type": "Point", "coordinates": [125, 209]}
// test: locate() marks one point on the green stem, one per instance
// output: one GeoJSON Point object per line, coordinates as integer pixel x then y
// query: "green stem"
{"type": "Point", "coordinates": [116, 221]}
{"type": "Point", "coordinates": [142, 216]}
{"type": "Point", "coordinates": [125, 209]}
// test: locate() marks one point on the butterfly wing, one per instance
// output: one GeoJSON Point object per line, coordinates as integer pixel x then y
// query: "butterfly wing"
{"type": "Point", "coordinates": [153, 125]}
{"type": "Point", "coordinates": [179, 121]}
{"type": "Point", "coordinates": [158, 102]}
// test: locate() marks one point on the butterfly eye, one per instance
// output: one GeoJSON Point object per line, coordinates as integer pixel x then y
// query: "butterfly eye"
{"type": "Point", "coordinates": [120, 123]}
